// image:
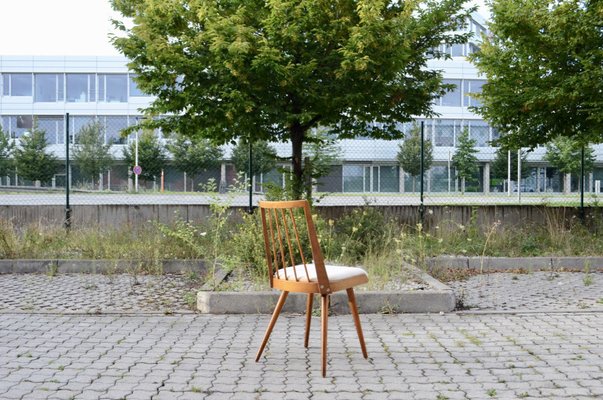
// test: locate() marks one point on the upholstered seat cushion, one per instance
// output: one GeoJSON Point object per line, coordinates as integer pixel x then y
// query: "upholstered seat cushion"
{"type": "Point", "coordinates": [336, 273]}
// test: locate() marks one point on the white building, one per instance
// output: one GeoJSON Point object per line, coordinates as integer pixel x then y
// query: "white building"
{"type": "Point", "coordinates": [102, 88]}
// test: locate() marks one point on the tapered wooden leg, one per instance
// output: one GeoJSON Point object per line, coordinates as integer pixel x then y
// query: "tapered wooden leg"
{"type": "Point", "coordinates": [308, 318]}
{"type": "Point", "coordinates": [324, 327]}
{"type": "Point", "coordinates": [354, 310]}
{"type": "Point", "coordinates": [275, 314]}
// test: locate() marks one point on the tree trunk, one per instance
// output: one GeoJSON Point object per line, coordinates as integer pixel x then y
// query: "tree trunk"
{"type": "Point", "coordinates": [297, 139]}
{"type": "Point", "coordinates": [463, 185]}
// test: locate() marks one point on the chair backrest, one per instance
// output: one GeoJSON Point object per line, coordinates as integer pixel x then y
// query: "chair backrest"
{"type": "Point", "coordinates": [288, 231]}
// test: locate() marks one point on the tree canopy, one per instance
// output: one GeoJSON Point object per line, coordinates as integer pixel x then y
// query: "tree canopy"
{"type": "Point", "coordinates": [6, 153]}
{"type": "Point", "coordinates": [263, 154]}
{"type": "Point", "coordinates": [151, 155]}
{"type": "Point", "coordinates": [565, 154]}
{"type": "Point", "coordinates": [464, 160]}
{"type": "Point", "coordinates": [499, 168]}
{"type": "Point", "coordinates": [273, 70]}
{"type": "Point", "coordinates": [543, 64]}
{"type": "Point", "coordinates": [90, 153]}
{"type": "Point", "coordinates": [194, 155]}
{"type": "Point", "coordinates": [32, 161]}
{"type": "Point", "coordinates": [409, 154]}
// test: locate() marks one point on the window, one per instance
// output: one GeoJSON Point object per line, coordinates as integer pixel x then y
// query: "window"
{"type": "Point", "coordinates": [444, 132]}
{"type": "Point", "coordinates": [134, 90]}
{"type": "Point", "coordinates": [457, 50]}
{"type": "Point", "coordinates": [114, 125]}
{"type": "Point", "coordinates": [390, 179]}
{"type": "Point", "coordinates": [17, 125]}
{"type": "Point", "coordinates": [472, 86]}
{"type": "Point", "coordinates": [16, 84]}
{"type": "Point", "coordinates": [480, 132]}
{"type": "Point", "coordinates": [81, 88]}
{"type": "Point", "coordinates": [54, 128]}
{"type": "Point", "coordinates": [113, 88]}
{"type": "Point", "coordinates": [371, 179]}
{"type": "Point", "coordinates": [452, 98]}
{"type": "Point", "coordinates": [77, 123]}
{"type": "Point", "coordinates": [353, 178]}
{"type": "Point", "coordinates": [48, 87]}
{"type": "Point", "coordinates": [427, 130]}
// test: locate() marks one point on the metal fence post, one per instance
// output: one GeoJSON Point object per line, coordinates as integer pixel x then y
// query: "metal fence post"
{"type": "Point", "coordinates": [582, 216]}
{"type": "Point", "coordinates": [421, 206]}
{"type": "Point", "coordinates": [67, 177]}
{"type": "Point", "coordinates": [250, 209]}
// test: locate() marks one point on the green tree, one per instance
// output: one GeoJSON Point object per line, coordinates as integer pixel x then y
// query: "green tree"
{"type": "Point", "coordinates": [409, 154]}
{"type": "Point", "coordinates": [194, 155]}
{"type": "Point", "coordinates": [31, 159]}
{"type": "Point", "coordinates": [91, 154]}
{"type": "Point", "coordinates": [464, 160]}
{"type": "Point", "coordinates": [543, 65]}
{"type": "Point", "coordinates": [6, 154]}
{"type": "Point", "coordinates": [273, 70]}
{"type": "Point", "coordinates": [499, 168]}
{"type": "Point", "coordinates": [565, 154]}
{"type": "Point", "coordinates": [264, 157]}
{"type": "Point", "coordinates": [151, 155]}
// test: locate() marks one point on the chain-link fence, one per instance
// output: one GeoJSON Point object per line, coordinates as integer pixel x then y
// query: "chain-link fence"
{"type": "Point", "coordinates": [101, 166]}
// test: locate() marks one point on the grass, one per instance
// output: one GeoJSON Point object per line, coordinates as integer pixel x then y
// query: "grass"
{"type": "Point", "coordinates": [362, 237]}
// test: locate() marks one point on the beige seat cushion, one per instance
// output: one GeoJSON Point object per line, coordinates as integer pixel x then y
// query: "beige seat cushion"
{"type": "Point", "coordinates": [335, 273]}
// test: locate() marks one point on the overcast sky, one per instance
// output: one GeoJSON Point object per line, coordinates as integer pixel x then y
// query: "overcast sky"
{"type": "Point", "coordinates": [60, 27]}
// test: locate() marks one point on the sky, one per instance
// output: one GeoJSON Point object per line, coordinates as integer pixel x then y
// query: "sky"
{"type": "Point", "coordinates": [62, 27]}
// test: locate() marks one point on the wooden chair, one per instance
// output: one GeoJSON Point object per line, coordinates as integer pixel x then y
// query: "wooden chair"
{"type": "Point", "coordinates": [291, 270]}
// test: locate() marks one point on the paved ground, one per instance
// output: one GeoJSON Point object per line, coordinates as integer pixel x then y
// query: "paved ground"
{"type": "Point", "coordinates": [90, 293]}
{"type": "Point", "coordinates": [529, 353]}
{"type": "Point", "coordinates": [543, 291]}
{"type": "Point", "coordinates": [114, 293]}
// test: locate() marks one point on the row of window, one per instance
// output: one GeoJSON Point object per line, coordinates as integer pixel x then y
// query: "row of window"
{"type": "Point", "coordinates": [441, 132]}
{"type": "Point", "coordinates": [457, 49]}
{"type": "Point", "coordinates": [54, 126]}
{"type": "Point", "coordinates": [76, 88]}
{"type": "Point", "coordinates": [72, 88]}
{"type": "Point", "coordinates": [460, 96]}
{"type": "Point", "coordinates": [445, 132]}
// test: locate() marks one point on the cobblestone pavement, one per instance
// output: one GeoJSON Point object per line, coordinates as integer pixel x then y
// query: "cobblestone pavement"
{"type": "Point", "coordinates": [420, 356]}
{"type": "Point", "coordinates": [532, 291]}
{"type": "Point", "coordinates": [95, 293]}
{"type": "Point", "coordinates": [530, 352]}
{"type": "Point", "coordinates": [89, 293]}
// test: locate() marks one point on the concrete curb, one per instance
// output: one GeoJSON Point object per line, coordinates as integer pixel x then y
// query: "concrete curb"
{"type": "Point", "coordinates": [509, 263]}
{"type": "Point", "coordinates": [95, 266]}
{"type": "Point", "coordinates": [438, 299]}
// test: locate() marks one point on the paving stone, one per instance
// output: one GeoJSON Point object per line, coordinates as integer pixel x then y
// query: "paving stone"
{"type": "Point", "coordinates": [539, 354]}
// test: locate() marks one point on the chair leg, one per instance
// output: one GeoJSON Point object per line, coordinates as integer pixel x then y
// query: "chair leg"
{"type": "Point", "coordinates": [275, 314]}
{"type": "Point", "coordinates": [308, 318]}
{"type": "Point", "coordinates": [324, 327]}
{"type": "Point", "coordinates": [354, 310]}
